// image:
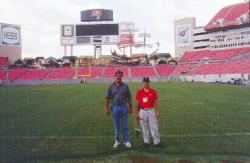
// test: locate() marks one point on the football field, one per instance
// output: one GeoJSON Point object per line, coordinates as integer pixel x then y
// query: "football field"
{"type": "Point", "coordinates": [67, 123]}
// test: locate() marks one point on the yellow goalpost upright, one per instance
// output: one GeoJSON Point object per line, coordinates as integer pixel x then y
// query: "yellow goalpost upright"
{"type": "Point", "coordinates": [83, 76]}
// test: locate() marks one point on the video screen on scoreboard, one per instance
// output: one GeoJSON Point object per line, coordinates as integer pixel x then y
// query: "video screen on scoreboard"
{"type": "Point", "coordinates": [97, 29]}
{"type": "Point", "coordinates": [96, 15]}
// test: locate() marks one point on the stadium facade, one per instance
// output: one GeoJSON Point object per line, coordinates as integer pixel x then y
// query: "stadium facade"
{"type": "Point", "coordinates": [228, 29]}
{"type": "Point", "coordinates": [219, 51]}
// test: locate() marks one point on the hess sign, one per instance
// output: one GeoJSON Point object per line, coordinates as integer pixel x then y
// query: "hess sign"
{"type": "Point", "coordinates": [10, 35]}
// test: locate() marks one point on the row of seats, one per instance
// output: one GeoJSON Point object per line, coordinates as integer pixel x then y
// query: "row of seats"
{"type": "Point", "coordinates": [225, 67]}
{"type": "Point", "coordinates": [2, 75]}
{"type": "Point", "coordinates": [196, 56]}
{"type": "Point", "coordinates": [141, 71]}
{"type": "Point", "coordinates": [61, 73]}
{"type": "Point", "coordinates": [15, 73]}
{"type": "Point", "coordinates": [93, 72]}
{"type": "Point", "coordinates": [68, 73]}
{"type": "Point", "coordinates": [165, 70]}
{"type": "Point", "coordinates": [221, 14]}
{"type": "Point", "coordinates": [180, 69]}
{"type": "Point", "coordinates": [110, 71]}
{"type": "Point", "coordinates": [35, 74]}
{"type": "Point", "coordinates": [3, 62]}
{"type": "Point", "coordinates": [237, 11]}
{"type": "Point", "coordinates": [229, 16]}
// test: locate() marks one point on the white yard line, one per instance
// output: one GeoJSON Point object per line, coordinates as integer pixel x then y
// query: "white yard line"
{"type": "Point", "coordinates": [105, 137]}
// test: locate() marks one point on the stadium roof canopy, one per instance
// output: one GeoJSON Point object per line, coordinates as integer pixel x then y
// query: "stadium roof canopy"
{"type": "Point", "coordinates": [230, 16]}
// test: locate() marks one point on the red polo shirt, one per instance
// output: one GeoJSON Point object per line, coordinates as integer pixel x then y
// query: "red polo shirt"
{"type": "Point", "coordinates": [146, 98]}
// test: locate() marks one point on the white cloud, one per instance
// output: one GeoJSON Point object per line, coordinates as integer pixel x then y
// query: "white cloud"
{"type": "Point", "coordinates": [40, 19]}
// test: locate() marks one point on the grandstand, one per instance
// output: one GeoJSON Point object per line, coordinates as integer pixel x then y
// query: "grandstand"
{"type": "Point", "coordinates": [92, 72]}
{"type": "Point", "coordinates": [221, 49]}
{"type": "Point", "coordinates": [215, 66]}
{"type": "Point", "coordinates": [235, 63]}
{"type": "Point", "coordinates": [215, 55]}
{"type": "Point", "coordinates": [232, 15]}
{"type": "Point", "coordinates": [224, 54]}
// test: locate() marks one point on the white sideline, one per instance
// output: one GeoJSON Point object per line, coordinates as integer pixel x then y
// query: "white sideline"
{"type": "Point", "coordinates": [105, 137]}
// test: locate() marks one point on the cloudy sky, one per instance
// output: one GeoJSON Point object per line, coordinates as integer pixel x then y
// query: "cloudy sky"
{"type": "Point", "coordinates": [40, 20]}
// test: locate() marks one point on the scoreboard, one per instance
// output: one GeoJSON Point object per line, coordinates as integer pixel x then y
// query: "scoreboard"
{"type": "Point", "coordinates": [97, 29]}
{"type": "Point", "coordinates": [80, 34]}
{"type": "Point", "coordinates": [96, 15]}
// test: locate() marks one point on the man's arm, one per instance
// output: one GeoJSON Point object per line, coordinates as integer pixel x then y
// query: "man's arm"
{"type": "Point", "coordinates": [130, 105]}
{"type": "Point", "coordinates": [129, 101]}
{"type": "Point", "coordinates": [108, 95]}
{"type": "Point", "coordinates": [107, 106]}
{"type": "Point", "coordinates": [157, 110]}
{"type": "Point", "coordinates": [137, 110]}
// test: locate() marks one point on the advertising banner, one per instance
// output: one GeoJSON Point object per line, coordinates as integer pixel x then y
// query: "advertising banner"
{"type": "Point", "coordinates": [183, 35]}
{"type": "Point", "coordinates": [10, 35]}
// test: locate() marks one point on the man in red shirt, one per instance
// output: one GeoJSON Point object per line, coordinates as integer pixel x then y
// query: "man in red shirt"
{"type": "Point", "coordinates": [147, 111]}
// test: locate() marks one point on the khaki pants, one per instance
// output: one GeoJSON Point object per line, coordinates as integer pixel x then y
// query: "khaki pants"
{"type": "Point", "coordinates": [149, 123]}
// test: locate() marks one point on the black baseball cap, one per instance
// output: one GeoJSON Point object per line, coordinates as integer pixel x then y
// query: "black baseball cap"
{"type": "Point", "coordinates": [145, 79]}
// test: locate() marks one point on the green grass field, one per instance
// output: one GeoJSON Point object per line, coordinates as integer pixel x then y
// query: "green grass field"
{"type": "Point", "coordinates": [67, 123]}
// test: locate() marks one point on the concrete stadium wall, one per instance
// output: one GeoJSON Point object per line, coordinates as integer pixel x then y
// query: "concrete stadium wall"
{"type": "Point", "coordinates": [214, 77]}
{"type": "Point", "coordinates": [75, 81]}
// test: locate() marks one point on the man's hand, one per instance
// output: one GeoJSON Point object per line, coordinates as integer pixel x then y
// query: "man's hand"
{"type": "Point", "coordinates": [157, 115]}
{"type": "Point", "coordinates": [137, 117]}
{"type": "Point", "coordinates": [107, 111]}
{"type": "Point", "coordinates": [130, 109]}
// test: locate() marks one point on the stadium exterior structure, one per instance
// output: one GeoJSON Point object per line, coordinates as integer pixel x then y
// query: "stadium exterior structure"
{"type": "Point", "coordinates": [216, 52]}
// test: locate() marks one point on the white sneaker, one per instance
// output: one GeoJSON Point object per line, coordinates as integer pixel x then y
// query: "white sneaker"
{"type": "Point", "coordinates": [127, 145]}
{"type": "Point", "coordinates": [117, 144]}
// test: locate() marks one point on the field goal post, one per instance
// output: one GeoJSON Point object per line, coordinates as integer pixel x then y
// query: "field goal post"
{"type": "Point", "coordinates": [83, 76]}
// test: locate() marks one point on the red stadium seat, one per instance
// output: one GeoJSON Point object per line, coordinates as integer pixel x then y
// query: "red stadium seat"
{"type": "Point", "coordinates": [15, 73]}
{"type": "Point", "coordinates": [229, 16]}
{"type": "Point", "coordinates": [196, 56]}
{"type": "Point", "coordinates": [141, 71]}
{"type": "Point", "coordinates": [164, 70]}
{"type": "Point", "coordinates": [3, 62]}
{"type": "Point", "coordinates": [2, 75]}
{"type": "Point", "coordinates": [35, 74]}
{"type": "Point", "coordinates": [61, 73]}
{"type": "Point", "coordinates": [94, 72]}
{"type": "Point", "coordinates": [229, 67]}
{"type": "Point", "coordinates": [109, 72]}
{"type": "Point", "coordinates": [184, 68]}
